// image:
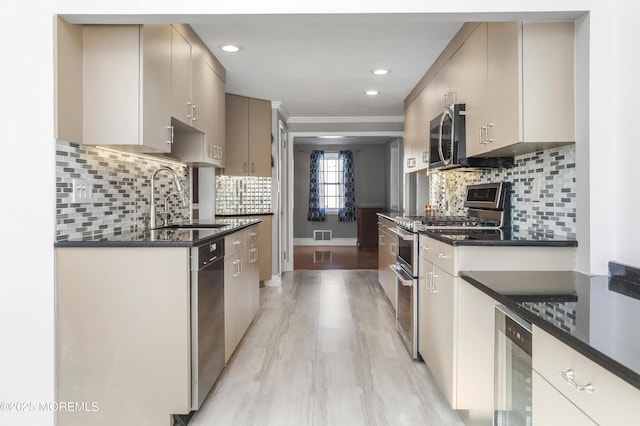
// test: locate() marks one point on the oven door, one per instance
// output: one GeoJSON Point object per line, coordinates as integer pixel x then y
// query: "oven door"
{"type": "Point", "coordinates": [407, 309]}
{"type": "Point", "coordinates": [407, 246]}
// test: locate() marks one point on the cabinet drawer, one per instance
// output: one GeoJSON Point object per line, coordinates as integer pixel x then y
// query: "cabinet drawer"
{"type": "Point", "coordinates": [438, 253]}
{"type": "Point", "coordinates": [251, 234]}
{"type": "Point", "coordinates": [233, 242]}
{"type": "Point", "coordinates": [612, 402]}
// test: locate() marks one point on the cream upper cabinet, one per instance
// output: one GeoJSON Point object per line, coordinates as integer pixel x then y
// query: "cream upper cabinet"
{"type": "Point", "coordinates": [248, 136]}
{"type": "Point", "coordinates": [126, 87]}
{"type": "Point", "coordinates": [189, 83]}
{"type": "Point", "coordinates": [527, 100]}
{"type": "Point", "coordinates": [197, 90]}
{"type": "Point", "coordinates": [181, 107]}
{"type": "Point", "coordinates": [469, 65]}
{"type": "Point", "coordinates": [411, 131]}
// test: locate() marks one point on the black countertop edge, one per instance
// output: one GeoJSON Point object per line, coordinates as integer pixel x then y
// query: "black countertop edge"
{"type": "Point", "coordinates": [244, 214]}
{"type": "Point", "coordinates": [586, 350]}
{"type": "Point", "coordinates": [498, 243]}
{"type": "Point", "coordinates": [219, 233]}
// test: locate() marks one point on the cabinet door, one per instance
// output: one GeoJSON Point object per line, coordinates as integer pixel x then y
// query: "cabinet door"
{"type": "Point", "coordinates": [156, 81]}
{"type": "Point", "coordinates": [504, 76]}
{"type": "Point", "coordinates": [382, 254]}
{"type": "Point", "coordinates": [474, 349]}
{"type": "Point", "coordinates": [411, 126]}
{"type": "Point", "coordinates": [259, 138]}
{"type": "Point", "coordinates": [237, 135]}
{"type": "Point", "coordinates": [201, 92]}
{"type": "Point", "coordinates": [425, 310]}
{"type": "Point", "coordinates": [551, 408]}
{"type": "Point", "coordinates": [180, 77]}
{"type": "Point", "coordinates": [230, 311]}
{"type": "Point", "coordinates": [443, 286]}
{"type": "Point", "coordinates": [472, 75]}
{"type": "Point", "coordinates": [220, 111]}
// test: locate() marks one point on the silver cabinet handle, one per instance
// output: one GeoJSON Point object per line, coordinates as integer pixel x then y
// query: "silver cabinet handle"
{"type": "Point", "coordinates": [429, 281]}
{"type": "Point", "coordinates": [170, 128]}
{"type": "Point", "coordinates": [425, 248]}
{"type": "Point", "coordinates": [433, 282]}
{"type": "Point", "coordinates": [253, 233]}
{"type": "Point", "coordinates": [489, 126]}
{"type": "Point", "coordinates": [442, 255]}
{"type": "Point", "coordinates": [483, 140]}
{"type": "Point", "coordinates": [236, 242]}
{"type": "Point", "coordinates": [569, 378]}
{"type": "Point", "coordinates": [244, 166]}
{"type": "Point", "coordinates": [189, 110]}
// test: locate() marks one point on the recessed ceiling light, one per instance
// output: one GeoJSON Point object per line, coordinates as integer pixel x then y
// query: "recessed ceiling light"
{"type": "Point", "coordinates": [372, 92]}
{"type": "Point", "coordinates": [230, 48]}
{"type": "Point", "coordinates": [381, 71]}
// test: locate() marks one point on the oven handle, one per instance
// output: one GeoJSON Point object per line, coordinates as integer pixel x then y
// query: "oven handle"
{"type": "Point", "coordinates": [402, 276]}
{"type": "Point", "coordinates": [404, 235]}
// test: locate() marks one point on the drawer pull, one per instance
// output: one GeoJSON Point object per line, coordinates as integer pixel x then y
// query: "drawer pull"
{"type": "Point", "coordinates": [568, 377]}
{"type": "Point", "coordinates": [442, 256]}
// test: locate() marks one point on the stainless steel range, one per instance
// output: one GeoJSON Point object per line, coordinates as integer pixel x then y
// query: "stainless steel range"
{"type": "Point", "coordinates": [488, 208]}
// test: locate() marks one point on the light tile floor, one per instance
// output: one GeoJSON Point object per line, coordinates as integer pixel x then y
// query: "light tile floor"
{"type": "Point", "coordinates": [323, 350]}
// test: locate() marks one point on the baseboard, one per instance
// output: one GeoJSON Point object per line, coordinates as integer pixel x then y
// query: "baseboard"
{"type": "Point", "coordinates": [333, 242]}
{"type": "Point", "coordinates": [275, 281]}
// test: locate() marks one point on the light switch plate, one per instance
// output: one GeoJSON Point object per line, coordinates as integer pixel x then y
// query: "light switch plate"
{"type": "Point", "coordinates": [82, 191]}
{"type": "Point", "coordinates": [535, 189]}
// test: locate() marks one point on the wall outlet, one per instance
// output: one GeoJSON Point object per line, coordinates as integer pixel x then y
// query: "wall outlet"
{"type": "Point", "coordinates": [82, 191]}
{"type": "Point", "coordinates": [535, 189]}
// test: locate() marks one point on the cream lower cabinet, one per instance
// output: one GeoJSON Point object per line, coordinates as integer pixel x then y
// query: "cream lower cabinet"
{"type": "Point", "coordinates": [456, 321]}
{"type": "Point", "coordinates": [264, 251]}
{"type": "Point", "coordinates": [123, 334]}
{"type": "Point", "coordinates": [387, 247]}
{"type": "Point", "coordinates": [241, 285]}
{"type": "Point", "coordinates": [612, 401]}
{"type": "Point", "coordinates": [551, 408]}
{"type": "Point", "coordinates": [436, 325]}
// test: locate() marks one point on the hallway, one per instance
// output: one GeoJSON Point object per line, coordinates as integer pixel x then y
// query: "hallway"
{"type": "Point", "coordinates": [324, 351]}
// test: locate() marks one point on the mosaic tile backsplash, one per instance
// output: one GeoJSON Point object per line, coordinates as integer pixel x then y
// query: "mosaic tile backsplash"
{"type": "Point", "coordinates": [553, 214]}
{"type": "Point", "coordinates": [121, 191]}
{"type": "Point", "coordinates": [243, 195]}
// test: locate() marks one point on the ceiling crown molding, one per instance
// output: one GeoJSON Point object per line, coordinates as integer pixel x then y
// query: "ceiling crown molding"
{"type": "Point", "coordinates": [385, 119]}
{"type": "Point", "coordinates": [277, 105]}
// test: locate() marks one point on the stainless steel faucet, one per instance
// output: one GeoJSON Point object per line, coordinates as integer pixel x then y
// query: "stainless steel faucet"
{"type": "Point", "coordinates": [176, 181]}
{"type": "Point", "coordinates": [165, 214]}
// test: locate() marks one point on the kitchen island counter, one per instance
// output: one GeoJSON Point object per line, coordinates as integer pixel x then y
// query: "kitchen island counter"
{"type": "Point", "coordinates": [167, 237]}
{"type": "Point", "coordinates": [597, 316]}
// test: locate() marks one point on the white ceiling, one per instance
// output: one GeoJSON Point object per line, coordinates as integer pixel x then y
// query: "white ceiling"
{"type": "Point", "coordinates": [320, 65]}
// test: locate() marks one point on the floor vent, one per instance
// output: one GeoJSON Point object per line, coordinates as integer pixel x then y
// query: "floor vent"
{"type": "Point", "coordinates": [322, 235]}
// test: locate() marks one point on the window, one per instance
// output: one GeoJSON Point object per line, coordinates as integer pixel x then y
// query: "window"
{"type": "Point", "coordinates": [331, 182]}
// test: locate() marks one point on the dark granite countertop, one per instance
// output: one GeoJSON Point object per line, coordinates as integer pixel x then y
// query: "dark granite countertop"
{"type": "Point", "coordinates": [598, 316]}
{"type": "Point", "coordinates": [162, 237]}
{"type": "Point", "coordinates": [504, 237]}
{"type": "Point", "coordinates": [244, 214]}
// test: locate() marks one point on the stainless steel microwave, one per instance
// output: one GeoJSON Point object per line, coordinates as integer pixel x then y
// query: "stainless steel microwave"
{"type": "Point", "coordinates": [447, 143]}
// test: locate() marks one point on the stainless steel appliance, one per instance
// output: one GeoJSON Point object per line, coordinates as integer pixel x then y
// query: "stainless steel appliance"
{"type": "Point", "coordinates": [406, 272]}
{"type": "Point", "coordinates": [513, 370]}
{"type": "Point", "coordinates": [207, 318]}
{"type": "Point", "coordinates": [447, 143]}
{"type": "Point", "coordinates": [488, 208]}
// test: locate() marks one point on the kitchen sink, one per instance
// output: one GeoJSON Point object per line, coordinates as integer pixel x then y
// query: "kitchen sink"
{"type": "Point", "coordinates": [194, 226]}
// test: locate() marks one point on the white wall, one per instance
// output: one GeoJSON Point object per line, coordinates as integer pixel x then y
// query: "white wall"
{"type": "Point", "coordinates": [26, 272]}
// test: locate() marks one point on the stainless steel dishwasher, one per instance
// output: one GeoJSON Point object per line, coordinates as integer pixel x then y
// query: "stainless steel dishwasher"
{"type": "Point", "coordinates": [207, 318]}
